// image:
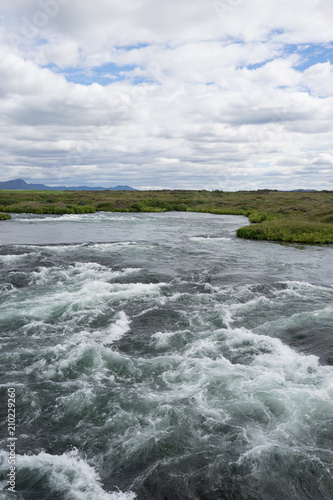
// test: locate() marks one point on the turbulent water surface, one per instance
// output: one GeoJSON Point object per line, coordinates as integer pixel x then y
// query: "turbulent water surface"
{"type": "Point", "coordinates": [158, 357]}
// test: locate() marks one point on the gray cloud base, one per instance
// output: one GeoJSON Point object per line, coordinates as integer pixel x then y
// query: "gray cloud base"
{"type": "Point", "coordinates": [215, 95]}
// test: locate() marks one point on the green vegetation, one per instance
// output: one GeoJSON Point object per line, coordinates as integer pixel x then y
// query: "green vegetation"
{"type": "Point", "coordinates": [292, 230]}
{"type": "Point", "coordinates": [5, 217]}
{"type": "Point", "coordinates": [304, 217]}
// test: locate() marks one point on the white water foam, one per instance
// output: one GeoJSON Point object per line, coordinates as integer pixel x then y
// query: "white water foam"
{"type": "Point", "coordinates": [78, 218]}
{"type": "Point", "coordinates": [89, 247]}
{"type": "Point", "coordinates": [118, 329]}
{"type": "Point", "coordinates": [298, 288]}
{"type": "Point", "coordinates": [88, 287]}
{"type": "Point", "coordinates": [78, 272]}
{"type": "Point", "coordinates": [210, 239]}
{"type": "Point", "coordinates": [12, 259]}
{"type": "Point", "coordinates": [276, 398]}
{"type": "Point", "coordinates": [68, 475]}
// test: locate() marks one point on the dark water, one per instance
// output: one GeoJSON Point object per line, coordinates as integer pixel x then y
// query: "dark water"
{"type": "Point", "coordinates": [158, 357]}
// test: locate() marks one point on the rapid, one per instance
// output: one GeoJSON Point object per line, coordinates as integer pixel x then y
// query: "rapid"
{"type": "Point", "coordinates": [158, 357]}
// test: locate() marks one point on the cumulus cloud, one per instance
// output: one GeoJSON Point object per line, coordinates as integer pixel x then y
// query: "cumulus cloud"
{"type": "Point", "coordinates": [227, 94]}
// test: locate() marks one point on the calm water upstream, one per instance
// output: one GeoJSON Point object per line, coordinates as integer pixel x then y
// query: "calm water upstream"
{"type": "Point", "coordinates": [158, 357]}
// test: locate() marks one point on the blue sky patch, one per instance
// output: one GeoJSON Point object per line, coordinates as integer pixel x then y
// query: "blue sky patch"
{"type": "Point", "coordinates": [311, 54]}
{"type": "Point", "coordinates": [103, 75]}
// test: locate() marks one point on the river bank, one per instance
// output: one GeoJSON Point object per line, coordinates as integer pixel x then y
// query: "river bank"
{"type": "Point", "coordinates": [298, 217]}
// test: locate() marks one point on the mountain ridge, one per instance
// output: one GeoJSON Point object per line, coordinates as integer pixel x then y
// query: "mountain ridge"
{"type": "Point", "coordinates": [21, 184]}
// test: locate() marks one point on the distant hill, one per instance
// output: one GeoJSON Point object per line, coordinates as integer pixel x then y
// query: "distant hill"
{"type": "Point", "coordinates": [304, 190]}
{"type": "Point", "coordinates": [21, 184]}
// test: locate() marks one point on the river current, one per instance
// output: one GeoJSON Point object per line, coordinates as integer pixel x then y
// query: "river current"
{"type": "Point", "coordinates": [159, 357]}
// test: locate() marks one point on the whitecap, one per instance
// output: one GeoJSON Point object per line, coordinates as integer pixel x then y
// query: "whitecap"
{"type": "Point", "coordinates": [68, 475]}
{"type": "Point", "coordinates": [118, 329]}
{"type": "Point", "coordinates": [210, 239]}
{"type": "Point", "coordinates": [12, 259]}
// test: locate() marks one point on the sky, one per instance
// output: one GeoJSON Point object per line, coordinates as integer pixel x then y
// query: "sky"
{"type": "Point", "coordinates": [167, 94]}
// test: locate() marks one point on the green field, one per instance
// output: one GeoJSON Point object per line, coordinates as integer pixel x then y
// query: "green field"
{"type": "Point", "coordinates": [299, 217]}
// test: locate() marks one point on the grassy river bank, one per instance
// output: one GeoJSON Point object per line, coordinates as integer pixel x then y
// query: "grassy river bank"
{"type": "Point", "coordinates": [299, 217]}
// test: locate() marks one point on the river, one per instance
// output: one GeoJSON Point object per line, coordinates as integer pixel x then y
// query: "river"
{"type": "Point", "coordinates": [159, 357]}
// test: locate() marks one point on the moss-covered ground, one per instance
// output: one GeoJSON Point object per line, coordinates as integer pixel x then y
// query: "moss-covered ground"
{"type": "Point", "coordinates": [304, 217]}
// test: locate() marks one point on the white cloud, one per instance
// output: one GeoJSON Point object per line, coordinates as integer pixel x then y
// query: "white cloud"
{"type": "Point", "coordinates": [192, 94]}
{"type": "Point", "coordinates": [319, 79]}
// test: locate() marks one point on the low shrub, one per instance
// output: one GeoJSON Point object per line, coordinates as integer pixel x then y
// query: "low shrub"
{"type": "Point", "coordinates": [105, 206]}
{"type": "Point", "coordinates": [226, 211]}
{"type": "Point", "coordinates": [164, 205]}
{"type": "Point", "coordinates": [328, 219]}
{"type": "Point", "coordinates": [256, 217]}
{"type": "Point", "coordinates": [47, 209]}
{"type": "Point", "coordinates": [139, 206]}
{"type": "Point", "coordinates": [63, 211]}
{"type": "Point", "coordinates": [179, 208]}
{"type": "Point", "coordinates": [89, 209]}
{"type": "Point", "coordinates": [84, 209]}
{"type": "Point", "coordinates": [14, 209]}
{"type": "Point", "coordinates": [32, 210]}
{"type": "Point", "coordinates": [289, 230]}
